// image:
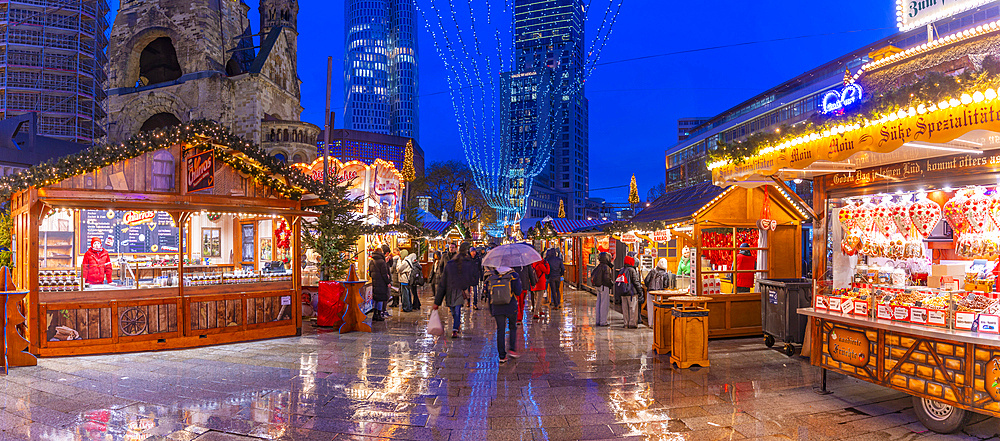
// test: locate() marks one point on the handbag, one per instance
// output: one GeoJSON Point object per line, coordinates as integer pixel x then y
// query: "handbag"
{"type": "Point", "coordinates": [434, 326]}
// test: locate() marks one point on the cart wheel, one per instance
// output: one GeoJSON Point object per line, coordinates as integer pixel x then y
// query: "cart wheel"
{"type": "Point", "coordinates": [940, 417]}
{"type": "Point", "coordinates": [789, 349]}
{"type": "Point", "coordinates": [768, 340]}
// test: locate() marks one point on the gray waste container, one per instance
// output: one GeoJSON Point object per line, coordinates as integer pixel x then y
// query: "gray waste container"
{"type": "Point", "coordinates": [779, 300]}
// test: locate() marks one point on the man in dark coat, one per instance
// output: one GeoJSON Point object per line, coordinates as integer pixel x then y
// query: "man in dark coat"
{"type": "Point", "coordinates": [378, 273]}
{"type": "Point", "coordinates": [454, 284]}
{"type": "Point", "coordinates": [556, 271]}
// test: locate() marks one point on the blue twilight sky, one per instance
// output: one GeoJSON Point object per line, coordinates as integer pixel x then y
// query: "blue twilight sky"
{"type": "Point", "coordinates": [634, 105]}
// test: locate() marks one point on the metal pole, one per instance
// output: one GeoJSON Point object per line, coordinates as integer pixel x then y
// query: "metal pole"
{"type": "Point", "coordinates": [328, 125]}
{"type": "Point", "coordinates": [822, 390]}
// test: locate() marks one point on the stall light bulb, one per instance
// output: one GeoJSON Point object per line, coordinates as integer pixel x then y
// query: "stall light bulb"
{"type": "Point", "coordinates": [954, 102]}
{"type": "Point", "coordinates": [990, 94]}
{"type": "Point", "coordinates": [978, 97]}
{"type": "Point", "coordinates": [966, 99]}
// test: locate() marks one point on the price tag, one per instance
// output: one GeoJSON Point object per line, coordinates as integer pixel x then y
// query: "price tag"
{"type": "Point", "coordinates": [937, 317]}
{"type": "Point", "coordinates": [883, 312]}
{"type": "Point", "coordinates": [963, 320]}
{"type": "Point", "coordinates": [989, 323]}
{"type": "Point", "coordinates": [918, 315]}
{"type": "Point", "coordinates": [847, 306]}
{"type": "Point", "coordinates": [861, 309]}
{"type": "Point", "coordinates": [820, 302]}
{"type": "Point", "coordinates": [286, 300]}
{"type": "Point", "coordinates": [901, 313]}
{"type": "Point", "coordinates": [834, 304]}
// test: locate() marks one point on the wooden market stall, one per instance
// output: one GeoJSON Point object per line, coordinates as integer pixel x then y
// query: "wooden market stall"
{"type": "Point", "coordinates": [182, 237]}
{"type": "Point", "coordinates": [561, 234]}
{"type": "Point", "coordinates": [707, 225]}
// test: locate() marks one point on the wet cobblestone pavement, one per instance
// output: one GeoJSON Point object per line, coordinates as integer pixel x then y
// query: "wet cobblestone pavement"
{"type": "Point", "coordinates": [573, 381]}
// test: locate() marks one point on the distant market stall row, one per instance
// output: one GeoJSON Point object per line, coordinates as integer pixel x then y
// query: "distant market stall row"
{"type": "Point", "coordinates": [700, 231]}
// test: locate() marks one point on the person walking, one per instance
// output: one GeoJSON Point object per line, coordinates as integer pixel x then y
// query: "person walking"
{"type": "Point", "coordinates": [602, 278]}
{"type": "Point", "coordinates": [476, 276]}
{"type": "Point", "coordinates": [538, 289]}
{"type": "Point", "coordinates": [404, 270]}
{"type": "Point", "coordinates": [378, 273]}
{"type": "Point", "coordinates": [454, 283]}
{"type": "Point", "coordinates": [657, 279]}
{"type": "Point", "coordinates": [416, 281]}
{"type": "Point", "coordinates": [631, 288]}
{"type": "Point", "coordinates": [528, 278]}
{"type": "Point", "coordinates": [556, 271]}
{"type": "Point", "coordinates": [503, 283]}
{"type": "Point", "coordinates": [437, 270]}
{"type": "Point", "coordinates": [392, 261]}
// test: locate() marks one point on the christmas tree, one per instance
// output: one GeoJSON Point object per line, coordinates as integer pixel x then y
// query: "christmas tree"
{"type": "Point", "coordinates": [633, 192]}
{"type": "Point", "coordinates": [409, 174]}
{"type": "Point", "coordinates": [458, 203]}
{"type": "Point", "coordinates": [562, 209]}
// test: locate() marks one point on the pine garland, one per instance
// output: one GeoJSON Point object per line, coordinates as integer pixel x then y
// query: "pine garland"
{"type": "Point", "coordinates": [930, 89]}
{"type": "Point", "coordinates": [245, 156]}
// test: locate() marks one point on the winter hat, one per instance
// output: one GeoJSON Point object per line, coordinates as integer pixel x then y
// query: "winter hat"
{"type": "Point", "coordinates": [464, 248]}
{"type": "Point", "coordinates": [662, 264]}
{"type": "Point", "coordinates": [96, 239]}
{"type": "Point", "coordinates": [629, 260]}
{"type": "Point", "coordinates": [386, 249]}
{"type": "Point", "coordinates": [403, 253]}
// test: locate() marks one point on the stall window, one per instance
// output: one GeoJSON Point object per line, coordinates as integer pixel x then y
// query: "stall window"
{"type": "Point", "coordinates": [211, 242]}
{"type": "Point", "coordinates": [732, 259]}
{"type": "Point", "coordinates": [163, 171]}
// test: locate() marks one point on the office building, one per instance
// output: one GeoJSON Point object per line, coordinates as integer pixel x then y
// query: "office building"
{"type": "Point", "coordinates": [685, 125]}
{"type": "Point", "coordinates": [551, 111]}
{"type": "Point", "coordinates": [380, 70]}
{"type": "Point", "coordinates": [52, 64]}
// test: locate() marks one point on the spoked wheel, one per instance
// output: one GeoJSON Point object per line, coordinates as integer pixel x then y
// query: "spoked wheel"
{"type": "Point", "coordinates": [789, 349]}
{"type": "Point", "coordinates": [768, 340]}
{"type": "Point", "coordinates": [940, 417]}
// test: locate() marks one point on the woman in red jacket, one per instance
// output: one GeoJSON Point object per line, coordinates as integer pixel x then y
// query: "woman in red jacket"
{"type": "Point", "coordinates": [96, 263]}
{"type": "Point", "coordinates": [745, 262]}
{"type": "Point", "coordinates": [541, 269]}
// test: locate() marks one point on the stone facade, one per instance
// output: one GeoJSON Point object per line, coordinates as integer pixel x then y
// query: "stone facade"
{"type": "Point", "coordinates": [182, 60]}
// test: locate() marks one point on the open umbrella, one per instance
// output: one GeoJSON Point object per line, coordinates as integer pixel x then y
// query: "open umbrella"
{"type": "Point", "coordinates": [512, 255]}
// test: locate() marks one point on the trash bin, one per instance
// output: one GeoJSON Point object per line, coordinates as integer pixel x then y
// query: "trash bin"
{"type": "Point", "coordinates": [779, 299]}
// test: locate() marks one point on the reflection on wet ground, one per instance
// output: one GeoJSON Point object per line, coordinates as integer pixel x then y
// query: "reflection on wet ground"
{"type": "Point", "coordinates": [573, 381]}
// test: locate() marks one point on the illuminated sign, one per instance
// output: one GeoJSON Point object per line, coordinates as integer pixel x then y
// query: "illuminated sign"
{"type": "Point", "coordinates": [912, 14]}
{"type": "Point", "coordinates": [133, 218]}
{"type": "Point", "coordinates": [835, 100]}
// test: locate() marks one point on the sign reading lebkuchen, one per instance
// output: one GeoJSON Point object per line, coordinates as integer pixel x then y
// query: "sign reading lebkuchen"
{"type": "Point", "coordinates": [939, 126]}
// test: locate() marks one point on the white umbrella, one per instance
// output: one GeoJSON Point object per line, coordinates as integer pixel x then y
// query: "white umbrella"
{"type": "Point", "coordinates": [512, 255]}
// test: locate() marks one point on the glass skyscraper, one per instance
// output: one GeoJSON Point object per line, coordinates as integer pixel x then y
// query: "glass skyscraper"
{"type": "Point", "coordinates": [548, 105]}
{"type": "Point", "coordinates": [380, 71]}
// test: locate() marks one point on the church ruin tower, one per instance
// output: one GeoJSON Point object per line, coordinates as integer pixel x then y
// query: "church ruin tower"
{"type": "Point", "coordinates": [173, 61]}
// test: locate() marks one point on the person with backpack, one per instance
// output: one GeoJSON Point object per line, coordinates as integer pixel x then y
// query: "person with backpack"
{"type": "Point", "coordinates": [630, 288]}
{"type": "Point", "coordinates": [404, 269]}
{"type": "Point", "coordinates": [656, 280]}
{"type": "Point", "coordinates": [378, 273]}
{"type": "Point", "coordinates": [503, 283]}
{"type": "Point", "coordinates": [602, 278]}
{"type": "Point", "coordinates": [541, 268]}
{"type": "Point", "coordinates": [556, 271]}
{"type": "Point", "coordinates": [455, 282]}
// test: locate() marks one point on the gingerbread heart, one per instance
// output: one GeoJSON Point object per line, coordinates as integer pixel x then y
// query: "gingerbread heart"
{"type": "Point", "coordinates": [883, 218]}
{"type": "Point", "coordinates": [995, 209]}
{"type": "Point", "coordinates": [954, 213]}
{"type": "Point", "coordinates": [925, 215]}
{"type": "Point", "coordinates": [848, 217]}
{"type": "Point", "coordinates": [977, 212]}
{"type": "Point", "coordinates": [901, 217]}
{"type": "Point", "coordinates": [865, 215]}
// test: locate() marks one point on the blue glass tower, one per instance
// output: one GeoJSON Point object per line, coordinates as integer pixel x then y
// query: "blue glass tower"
{"type": "Point", "coordinates": [380, 83]}
{"type": "Point", "coordinates": [548, 45]}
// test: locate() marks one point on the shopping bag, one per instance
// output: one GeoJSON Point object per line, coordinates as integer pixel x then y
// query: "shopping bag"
{"type": "Point", "coordinates": [434, 326]}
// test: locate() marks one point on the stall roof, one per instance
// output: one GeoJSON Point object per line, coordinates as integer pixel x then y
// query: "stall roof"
{"type": "Point", "coordinates": [562, 226]}
{"type": "Point", "coordinates": [438, 227]}
{"type": "Point", "coordinates": [679, 205]}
